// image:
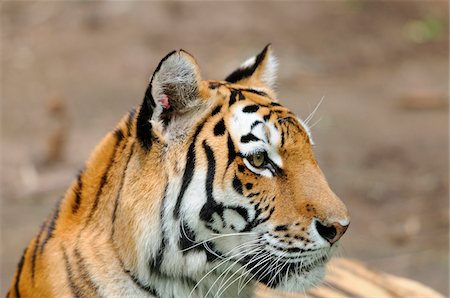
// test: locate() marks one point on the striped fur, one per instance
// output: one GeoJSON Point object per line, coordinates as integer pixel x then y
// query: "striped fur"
{"type": "Point", "coordinates": [172, 204]}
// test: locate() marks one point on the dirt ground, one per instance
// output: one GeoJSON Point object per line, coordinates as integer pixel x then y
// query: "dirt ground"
{"type": "Point", "coordinates": [69, 71]}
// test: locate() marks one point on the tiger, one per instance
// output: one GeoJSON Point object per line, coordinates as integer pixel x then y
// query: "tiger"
{"type": "Point", "coordinates": [208, 188]}
{"type": "Point", "coordinates": [243, 202]}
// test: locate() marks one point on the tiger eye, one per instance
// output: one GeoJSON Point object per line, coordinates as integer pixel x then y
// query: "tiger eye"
{"type": "Point", "coordinates": [257, 159]}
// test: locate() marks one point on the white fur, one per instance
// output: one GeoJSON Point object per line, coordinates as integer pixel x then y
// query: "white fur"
{"type": "Point", "coordinates": [269, 72]}
{"type": "Point", "coordinates": [241, 125]}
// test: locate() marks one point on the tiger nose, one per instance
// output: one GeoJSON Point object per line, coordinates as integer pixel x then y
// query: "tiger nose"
{"type": "Point", "coordinates": [332, 232]}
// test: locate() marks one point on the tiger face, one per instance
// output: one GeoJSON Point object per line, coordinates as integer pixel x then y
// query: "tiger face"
{"type": "Point", "coordinates": [244, 199]}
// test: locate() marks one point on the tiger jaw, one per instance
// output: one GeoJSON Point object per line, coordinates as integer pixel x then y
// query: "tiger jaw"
{"type": "Point", "coordinates": [258, 262]}
{"type": "Point", "coordinates": [275, 272]}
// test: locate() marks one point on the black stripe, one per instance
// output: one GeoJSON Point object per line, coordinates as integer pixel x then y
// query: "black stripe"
{"type": "Point", "coordinates": [253, 194]}
{"type": "Point", "coordinates": [188, 171]}
{"type": "Point", "coordinates": [264, 219]}
{"type": "Point", "coordinates": [241, 211]}
{"type": "Point", "coordinates": [187, 243]}
{"type": "Point", "coordinates": [216, 110]}
{"type": "Point", "coordinates": [241, 95]}
{"type": "Point", "coordinates": [237, 184]}
{"type": "Point", "coordinates": [214, 85]}
{"type": "Point", "coordinates": [275, 169]}
{"type": "Point", "coordinates": [233, 95]}
{"type": "Point", "coordinates": [34, 255]}
{"type": "Point", "coordinates": [281, 228]}
{"type": "Point", "coordinates": [250, 109]}
{"type": "Point", "coordinates": [258, 92]}
{"type": "Point", "coordinates": [256, 123]}
{"type": "Point", "coordinates": [144, 127]}
{"type": "Point", "coordinates": [78, 190]}
{"type": "Point", "coordinates": [219, 128]}
{"type": "Point", "coordinates": [282, 137]}
{"type": "Point", "coordinates": [256, 220]}
{"type": "Point", "coordinates": [119, 134]}
{"type": "Point", "coordinates": [249, 138]}
{"type": "Point", "coordinates": [242, 73]}
{"type": "Point", "coordinates": [19, 273]}
{"type": "Point", "coordinates": [51, 227]}
{"type": "Point", "coordinates": [103, 182]}
{"type": "Point", "coordinates": [231, 151]}
{"type": "Point", "coordinates": [119, 192]}
{"type": "Point", "coordinates": [85, 273]}
{"type": "Point", "coordinates": [70, 278]}
{"type": "Point", "coordinates": [211, 206]}
{"type": "Point", "coordinates": [187, 239]}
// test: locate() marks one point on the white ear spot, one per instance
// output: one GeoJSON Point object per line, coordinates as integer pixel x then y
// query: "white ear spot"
{"type": "Point", "coordinates": [261, 68]}
{"type": "Point", "coordinates": [269, 73]}
{"type": "Point", "coordinates": [249, 62]}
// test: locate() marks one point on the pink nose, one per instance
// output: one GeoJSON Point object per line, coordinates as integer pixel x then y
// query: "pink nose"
{"type": "Point", "coordinates": [332, 232]}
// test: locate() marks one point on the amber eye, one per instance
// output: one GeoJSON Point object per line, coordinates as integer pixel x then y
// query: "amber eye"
{"type": "Point", "coordinates": [258, 159]}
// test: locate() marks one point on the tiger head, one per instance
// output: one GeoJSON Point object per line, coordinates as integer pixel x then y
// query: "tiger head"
{"type": "Point", "coordinates": [243, 195]}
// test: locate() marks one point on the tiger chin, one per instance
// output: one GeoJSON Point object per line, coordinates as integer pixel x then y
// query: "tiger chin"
{"type": "Point", "coordinates": [206, 189]}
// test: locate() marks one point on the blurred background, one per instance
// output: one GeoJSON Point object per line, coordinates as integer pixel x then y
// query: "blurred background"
{"type": "Point", "coordinates": [69, 71]}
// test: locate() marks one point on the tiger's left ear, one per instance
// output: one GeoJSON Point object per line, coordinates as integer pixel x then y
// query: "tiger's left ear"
{"type": "Point", "coordinates": [256, 71]}
{"type": "Point", "coordinates": [171, 99]}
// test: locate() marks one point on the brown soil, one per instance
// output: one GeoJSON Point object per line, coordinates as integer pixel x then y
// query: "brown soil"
{"type": "Point", "coordinates": [71, 70]}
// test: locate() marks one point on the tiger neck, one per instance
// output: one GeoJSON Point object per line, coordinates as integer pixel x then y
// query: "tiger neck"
{"type": "Point", "coordinates": [155, 249]}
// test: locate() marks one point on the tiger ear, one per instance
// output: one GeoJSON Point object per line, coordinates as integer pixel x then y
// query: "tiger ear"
{"type": "Point", "coordinates": [173, 91]}
{"type": "Point", "coordinates": [260, 69]}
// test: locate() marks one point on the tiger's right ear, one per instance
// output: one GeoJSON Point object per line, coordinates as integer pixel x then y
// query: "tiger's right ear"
{"type": "Point", "coordinates": [260, 69]}
{"type": "Point", "coordinates": [173, 92]}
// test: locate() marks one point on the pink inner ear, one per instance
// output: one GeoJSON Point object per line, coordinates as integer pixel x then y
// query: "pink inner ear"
{"type": "Point", "coordinates": [164, 100]}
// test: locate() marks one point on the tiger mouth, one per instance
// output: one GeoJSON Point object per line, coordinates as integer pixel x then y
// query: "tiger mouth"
{"type": "Point", "coordinates": [275, 270]}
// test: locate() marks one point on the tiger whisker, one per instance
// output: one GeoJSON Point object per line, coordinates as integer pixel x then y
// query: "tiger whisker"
{"type": "Point", "coordinates": [281, 266]}
{"type": "Point", "coordinates": [229, 268]}
{"type": "Point", "coordinates": [221, 263]}
{"type": "Point", "coordinates": [184, 231]}
{"type": "Point", "coordinates": [247, 273]}
{"type": "Point", "coordinates": [311, 115]}
{"type": "Point", "coordinates": [224, 274]}
{"type": "Point", "coordinates": [265, 257]}
{"type": "Point", "coordinates": [245, 253]}
{"type": "Point", "coordinates": [269, 256]}
{"type": "Point", "coordinates": [234, 234]}
{"type": "Point", "coordinates": [315, 123]}
{"type": "Point", "coordinates": [219, 292]}
{"type": "Point", "coordinates": [213, 238]}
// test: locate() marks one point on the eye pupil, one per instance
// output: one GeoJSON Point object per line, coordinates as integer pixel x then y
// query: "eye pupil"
{"type": "Point", "coordinates": [258, 159]}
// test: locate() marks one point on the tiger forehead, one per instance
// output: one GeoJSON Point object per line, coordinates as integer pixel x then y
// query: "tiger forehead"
{"type": "Point", "coordinates": [254, 115]}
{"type": "Point", "coordinates": [232, 93]}
{"type": "Point", "coordinates": [230, 90]}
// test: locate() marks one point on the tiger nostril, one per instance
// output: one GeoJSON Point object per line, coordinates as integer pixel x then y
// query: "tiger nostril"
{"type": "Point", "coordinates": [331, 233]}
